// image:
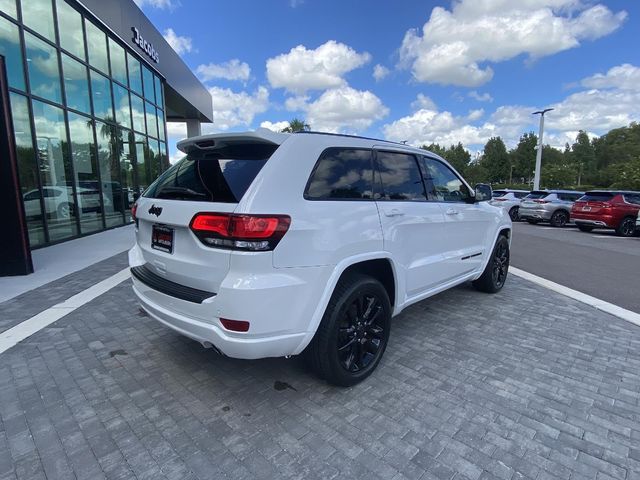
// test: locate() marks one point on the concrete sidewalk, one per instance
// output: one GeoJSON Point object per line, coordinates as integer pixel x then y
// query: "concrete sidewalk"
{"type": "Point", "coordinates": [522, 384]}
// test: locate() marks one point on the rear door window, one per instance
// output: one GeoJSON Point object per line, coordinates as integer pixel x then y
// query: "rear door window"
{"type": "Point", "coordinates": [222, 175]}
{"type": "Point", "coordinates": [536, 195]}
{"type": "Point", "coordinates": [341, 174]}
{"type": "Point", "coordinates": [632, 198]}
{"type": "Point", "coordinates": [400, 177]}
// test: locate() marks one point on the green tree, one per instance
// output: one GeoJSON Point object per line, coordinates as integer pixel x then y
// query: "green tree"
{"type": "Point", "coordinates": [296, 125]}
{"type": "Point", "coordinates": [456, 155]}
{"type": "Point", "coordinates": [523, 158]}
{"type": "Point", "coordinates": [583, 156]}
{"type": "Point", "coordinates": [495, 160]}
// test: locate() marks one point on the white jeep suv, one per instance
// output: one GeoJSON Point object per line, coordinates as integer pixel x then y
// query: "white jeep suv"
{"type": "Point", "coordinates": [263, 244]}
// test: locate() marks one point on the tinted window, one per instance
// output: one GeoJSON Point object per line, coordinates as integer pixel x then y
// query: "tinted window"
{"type": "Point", "coordinates": [101, 89]}
{"type": "Point", "coordinates": [341, 173]}
{"type": "Point", "coordinates": [536, 195]}
{"type": "Point", "coordinates": [38, 15]}
{"type": "Point", "coordinates": [44, 74]}
{"type": "Point", "coordinates": [444, 185]}
{"type": "Point", "coordinates": [76, 84]}
{"type": "Point", "coordinates": [400, 176]}
{"type": "Point", "coordinates": [521, 194]}
{"type": "Point", "coordinates": [97, 45]}
{"type": "Point", "coordinates": [10, 48]}
{"type": "Point", "coordinates": [498, 193]}
{"type": "Point", "coordinates": [597, 197]}
{"type": "Point", "coordinates": [632, 198]}
{"type": "Point", "coordinates": [220, 176]}
{"type": "Point", "coordinates": [70, 29]}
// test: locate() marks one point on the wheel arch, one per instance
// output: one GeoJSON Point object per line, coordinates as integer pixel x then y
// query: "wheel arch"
{"type": "Point", "coordinates": [377, 264]}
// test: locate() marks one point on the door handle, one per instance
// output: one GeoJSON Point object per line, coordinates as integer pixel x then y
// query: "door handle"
{"type": "Point", "coordinates": [452, 211]}
{"type": "Point", "coordinates": [394, 212]}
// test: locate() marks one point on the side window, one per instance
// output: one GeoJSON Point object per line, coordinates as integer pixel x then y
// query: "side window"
{"type": "Point", "coordinates": [447, 187]}
{"type": "Point", "coordinates": [635, 199]}
{"type": "Point", "coordinates": [341, 174]}
{"type": "Point", "coordinates": [521, 194]}
{"type": "Point", "coordinates": [34, 195]}
{"type": "Point", "coordinates": [400, 177]}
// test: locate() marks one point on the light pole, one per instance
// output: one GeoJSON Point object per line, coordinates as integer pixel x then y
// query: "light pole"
{"type": "Point", "coordinates": [536, 175]}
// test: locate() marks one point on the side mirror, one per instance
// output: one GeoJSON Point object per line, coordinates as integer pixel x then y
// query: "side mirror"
{"type": "Point", "coordinates": [483, 192]}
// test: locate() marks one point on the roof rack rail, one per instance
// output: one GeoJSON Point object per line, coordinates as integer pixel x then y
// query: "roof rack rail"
{"type": "Point", "coordinates": [354, 136]}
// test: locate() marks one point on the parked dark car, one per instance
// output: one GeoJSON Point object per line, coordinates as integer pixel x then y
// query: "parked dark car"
{"type": "Point", "coordinates": [615, 210]}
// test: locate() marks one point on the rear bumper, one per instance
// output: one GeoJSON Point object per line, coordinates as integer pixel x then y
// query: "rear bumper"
{"type": "Point", "coordinates": [279, 304]}
{"type": "Point", "coordinates": [603, 221]}
{"type": "Point", "coordinates": [534, 213]}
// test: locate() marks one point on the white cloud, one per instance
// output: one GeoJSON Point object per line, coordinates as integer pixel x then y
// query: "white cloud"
{"type": "Point", "coordinates": [233, 109]}
{"type": "Point", "coordinates": [455, 46]}
{"type": "Point", "coordinates": [624, 77]}
{"type": "Point", "coordinates": [480, 97]}
{"type": "Point", "coordinates": [161, 4]}
{"type": "Point", "coordinates": [274, 126]}
{"type": "Point", "coordinates": [295, 3]}
{"type": "Point", "coordinates": [177, 129]}
{"type": "Point", "coordinates": [380, 72]}
{"type": "Point", "coordinates": [231, 70]}
{"type": "Point", "coordinates": [179, 43]}
{"type": "Point", "coordinates": [595, 110]}
{"type": "Point", "coordinates": [423, 102]}
{"type": "Point", "coordinates": [295, 104]}
{"type": "Point", "coordinates": [345, 109]}
{"type": "Point", "coordinates": [301, 70]}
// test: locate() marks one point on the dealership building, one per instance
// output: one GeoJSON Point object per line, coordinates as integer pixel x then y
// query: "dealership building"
{"type": "Point", "coordinates": [87, 90]}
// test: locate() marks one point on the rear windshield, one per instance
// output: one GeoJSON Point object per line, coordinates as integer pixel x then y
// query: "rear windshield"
{"type": "Point", "coordinates": [597, 197]}
{"type": "Point", "coordinates": [217, 176]}
{"type": "Point", "coordinates": [536, 195]}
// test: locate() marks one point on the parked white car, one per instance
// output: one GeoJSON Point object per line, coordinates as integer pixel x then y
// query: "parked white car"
{"type": "Point", "coordinates": [58, 201]}
{"type": "Point", "coordinates": [262, 244]}
{"type": "Point", "coordinates": [509, 200]}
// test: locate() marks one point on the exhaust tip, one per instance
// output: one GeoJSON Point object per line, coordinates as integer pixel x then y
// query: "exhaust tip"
{"type": "Point", "coordinates": [213, 347]}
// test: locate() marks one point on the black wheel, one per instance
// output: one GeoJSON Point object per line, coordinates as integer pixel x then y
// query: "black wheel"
{"type": "Point", "coordinates": [353, 333]}
{"type": "Point", "coordinates": [559, 218]}
{"type": "Point", "coordinates": [495, 273]}
{"type": "Point", "coordinates": [65, 210]}
{"type": "Point", "coordinates": [585, 228]}
{"type": "Point", "coordinates": [533, 221]}
{"type": "Point", "coordinates": [627, 227]}
{"type": "Point", "coordinates": [514, 214]}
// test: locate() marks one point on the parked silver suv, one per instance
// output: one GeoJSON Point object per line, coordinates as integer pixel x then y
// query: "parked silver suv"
{"type": "Point", "coordinates": [553, 206]}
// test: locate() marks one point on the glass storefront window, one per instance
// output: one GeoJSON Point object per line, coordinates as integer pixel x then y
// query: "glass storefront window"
{"type": "Point", "coordinates": [112, 192]}
{"type": "Point", "coordinates": [76, 84]}
{"type": "Point", "coordinates": [135, 75]}
{"type": "Point", "coordinates": [137, 111]}
{"type": "Point", "coordinates": [85, 170]}
{"type": "Point", "coordinates": [44, 75]}
{"type": "Point", "coordinates": [27, 169]}
{"type": "Point", "coordinates": [38, 15]}
{"type": "Point", "coordinates": [147, 80]}
{"type": "Point", "coordinates": [159, 96]}
{"type": "Point", "coordinates": [152, 123]}
{"type": "Point", "coordinates": [160, 117]}
{"type": "Point", "coordinates": [70, 29]}
{"type": "Point", "coordinates": [8, 7]}
{"type": "Point", "coordinates": [153, 159]}
{"type": "Point", "coordinates": [97, 46]}
{"type": "Point", "coordinates": [127, 167]}
{"type": "Point", "coordinates": [118, 62]}
{"type": "Point", "coordinates": [57, 185]}
{"type": "Point", "coordinates": [10, 49]}
{"type": "Point", "coordinates": [123, 111]}
{"type": "Point", "coordinates": [101, 91]}
{"type": "Point", "coordinates": [164, 158]}
{"type": "Point", "coordinates": [141, 164]}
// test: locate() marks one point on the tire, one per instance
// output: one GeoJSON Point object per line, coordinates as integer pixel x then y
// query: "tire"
{"type": "Point", "coordinates": [514, 214]}
{"type": "Point", "coordinates": [627, 227]}
{"type": "Point", "coordinates": [353, 333]}
{"type": "Point", "coordinates": [65, 210]}
{"type": "Point", "coordinates": [559, 218]}
{"type": "Point", "coordinates": [585, 228]}
{"type": "Point", "coordinates": [495, 273]}
{"type": "Point", "coordinates": [533, 221]}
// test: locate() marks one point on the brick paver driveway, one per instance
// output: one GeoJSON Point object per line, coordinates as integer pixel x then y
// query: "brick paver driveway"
{"type": "Point", "coordinates": [471, 386]}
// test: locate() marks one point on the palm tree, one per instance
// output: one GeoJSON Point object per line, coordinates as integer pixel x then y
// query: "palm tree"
{"type": "Point", "coordinates": [296, 125]}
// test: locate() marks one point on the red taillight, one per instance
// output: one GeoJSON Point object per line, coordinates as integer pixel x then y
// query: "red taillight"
{"type": "Point", "coordinates": [134, 209]}
{"type": "Point", "coordinates": [240, 232]}
{"type": "Point", "coordinates": [235, 325]}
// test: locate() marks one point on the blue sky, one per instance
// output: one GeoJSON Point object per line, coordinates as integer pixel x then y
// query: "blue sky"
{"type": "Point", "coordinates": [445, 71]}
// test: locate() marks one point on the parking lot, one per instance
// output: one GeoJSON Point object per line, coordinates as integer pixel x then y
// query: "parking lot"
{"type": "Point", "coordinates": [523, 384]}
{"type": "Point", "coordinates": [598, 263]}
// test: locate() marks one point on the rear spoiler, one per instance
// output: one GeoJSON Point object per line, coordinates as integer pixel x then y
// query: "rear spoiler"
{"type": "Point", "coordinates": [221, 140]}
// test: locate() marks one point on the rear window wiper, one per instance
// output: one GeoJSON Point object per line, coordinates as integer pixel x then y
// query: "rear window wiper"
{"type": "Point", "coordinates": [179, 192]}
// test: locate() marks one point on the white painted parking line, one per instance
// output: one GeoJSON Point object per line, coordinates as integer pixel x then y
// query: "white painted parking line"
{"type": "Point", "coordinates": [25, 329]}
{"type": "Point", "coordinates": [607, 307]}
{"type": "Point", "coordinates": [607, 236]}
